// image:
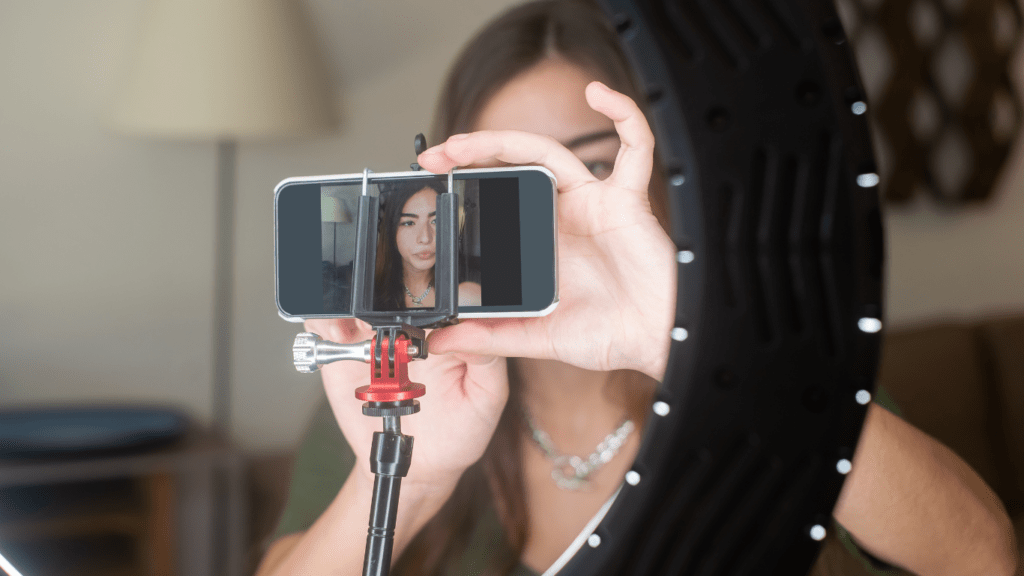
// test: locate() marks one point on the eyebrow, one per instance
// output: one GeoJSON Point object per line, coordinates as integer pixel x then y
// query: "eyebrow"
{"type": "Point", "coordinates": [592, 137]}
{"type": "Point", "coordinates": [407, 215]}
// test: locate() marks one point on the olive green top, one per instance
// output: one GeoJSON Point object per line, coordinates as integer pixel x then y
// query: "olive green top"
{"type": "Point", "coordinates": [325, 459]}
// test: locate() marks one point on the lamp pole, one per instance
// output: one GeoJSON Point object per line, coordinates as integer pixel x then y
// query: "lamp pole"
{"type": "Point", "coordinates": [224, 71]}
{"type": "Point", "coordinates": [223, 283]}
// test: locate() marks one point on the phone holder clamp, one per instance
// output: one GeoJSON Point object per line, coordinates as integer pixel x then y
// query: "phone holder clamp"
{"type": "Point", "coordinates": [419, 143]}
{"type": "Point", "coordinates": [390, 392]}
{"type": "Point", "coordinates": [390, 389]}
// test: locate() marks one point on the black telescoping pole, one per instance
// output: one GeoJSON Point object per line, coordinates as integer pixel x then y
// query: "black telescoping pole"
{"type": "Point", "coordinates": [391, 454]}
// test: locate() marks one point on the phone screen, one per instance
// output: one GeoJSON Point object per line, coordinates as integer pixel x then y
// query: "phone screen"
{"type": "Point", "coordinates": [505, 257]}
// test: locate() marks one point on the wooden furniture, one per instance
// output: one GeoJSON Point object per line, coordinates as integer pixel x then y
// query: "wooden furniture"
{"type": "Point", "coordinates": [179, 509]}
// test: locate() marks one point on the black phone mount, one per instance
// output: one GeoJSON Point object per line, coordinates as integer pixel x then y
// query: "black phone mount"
{"type": "Point", "coordinates": [400, 338]}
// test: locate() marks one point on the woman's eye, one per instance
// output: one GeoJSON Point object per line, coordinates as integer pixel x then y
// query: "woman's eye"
{"type": "Point", "coordinates": [433, 222]}
{"type": "Point", "coordinates": [406, 223]}
{"type": "Point", "coordinates": [600, 169]}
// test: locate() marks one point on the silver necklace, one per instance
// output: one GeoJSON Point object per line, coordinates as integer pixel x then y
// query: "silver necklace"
{"type": "Point", "coordinates": [416, 301]}
{"type": "Point", "coordinates": [572, 472]}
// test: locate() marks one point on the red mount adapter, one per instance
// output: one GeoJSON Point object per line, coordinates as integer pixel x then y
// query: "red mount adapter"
{"type": "Point", "coordinates": [390, 383]}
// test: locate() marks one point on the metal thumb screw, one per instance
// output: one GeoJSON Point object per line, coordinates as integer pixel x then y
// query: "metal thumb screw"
{"type": "Point", "coordinates": [310, 351]}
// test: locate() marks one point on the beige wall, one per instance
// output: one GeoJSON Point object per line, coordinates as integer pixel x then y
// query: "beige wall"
{"type": "Point", "coordinates": [946, 263]}
{"type": "Point", "coordinates": [106, 241]}
{"type": "Point", "coordinates": [105, 259]}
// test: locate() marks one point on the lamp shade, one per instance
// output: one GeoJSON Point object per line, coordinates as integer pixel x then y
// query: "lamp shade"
{"type": "Point", "coordinates": [334, 209]}
{"type": "Point", "coordinates": [224, 70]}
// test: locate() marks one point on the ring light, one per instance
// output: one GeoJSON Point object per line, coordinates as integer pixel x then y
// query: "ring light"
{"type": "Point", "coordinates": [758, 114]}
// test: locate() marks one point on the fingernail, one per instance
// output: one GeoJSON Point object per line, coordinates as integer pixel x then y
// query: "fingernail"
{"type": "Point", "coordinates": [602, 85]}
{"type": "Point", "coordinates": [459, 137]}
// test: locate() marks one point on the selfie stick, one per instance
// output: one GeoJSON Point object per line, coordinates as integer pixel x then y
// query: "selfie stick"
{"type": "Point", "coordinates": [400, 338]}
{"type": "Point", "coordinates": [390, 395]}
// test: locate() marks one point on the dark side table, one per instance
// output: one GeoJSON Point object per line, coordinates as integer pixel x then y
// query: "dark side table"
{"type": "Point", "coordinates": [177, 509]}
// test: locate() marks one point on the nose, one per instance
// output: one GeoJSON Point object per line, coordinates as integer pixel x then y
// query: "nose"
{"type": "Point", "coordinates": [426, 235]}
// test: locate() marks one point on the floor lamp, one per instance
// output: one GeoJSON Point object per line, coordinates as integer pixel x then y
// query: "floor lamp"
{"type": "Point", "coordinates": [224, 71]}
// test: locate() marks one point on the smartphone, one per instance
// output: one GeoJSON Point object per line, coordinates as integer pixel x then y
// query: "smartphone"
{"type": "Point", "coordinates": [505, 226]}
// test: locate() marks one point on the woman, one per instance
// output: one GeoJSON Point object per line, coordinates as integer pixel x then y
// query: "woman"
{"type": "Point", "coordinates": [406, 249]}
{"type": "Point", "coordinates": [507, 399]}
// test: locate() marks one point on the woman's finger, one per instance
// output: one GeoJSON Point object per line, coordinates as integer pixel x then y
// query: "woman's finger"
{"type": "Point", "coordinates": [635, 160]}
{"type": "Point", "coordinates": [509, 337]}
{"type": "Point", "coordinates": [512, 147]}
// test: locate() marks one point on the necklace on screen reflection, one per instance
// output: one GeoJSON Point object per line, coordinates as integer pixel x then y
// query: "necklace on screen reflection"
{"type": "Point", "coordinates": [418, 301]}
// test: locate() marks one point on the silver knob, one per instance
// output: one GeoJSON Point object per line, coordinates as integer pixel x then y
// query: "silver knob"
{"type": "Point", "coordinates": [310, 351]}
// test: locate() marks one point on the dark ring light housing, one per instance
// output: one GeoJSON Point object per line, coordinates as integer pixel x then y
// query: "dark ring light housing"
{"type": "Point", "coordinates": [758, 113]}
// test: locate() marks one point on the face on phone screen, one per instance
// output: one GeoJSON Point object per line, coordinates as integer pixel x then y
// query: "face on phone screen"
{"type": "Point", "coordinates": [407, 243]}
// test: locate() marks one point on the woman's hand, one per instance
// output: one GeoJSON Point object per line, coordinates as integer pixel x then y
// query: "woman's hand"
{"type": "Point", "coordinates": [616, 266]}
{"type": "Point", "coordinates": [465, 396]}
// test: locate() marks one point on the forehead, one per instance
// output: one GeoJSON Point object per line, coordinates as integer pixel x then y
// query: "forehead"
{"type": "Point", "coordinates": [421, 202]}
{"type": "Point", "coordinates": [546, 99]}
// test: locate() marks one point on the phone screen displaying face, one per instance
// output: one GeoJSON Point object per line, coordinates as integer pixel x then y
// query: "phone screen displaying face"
{"type": "Point", "coordinates": [505, 227]}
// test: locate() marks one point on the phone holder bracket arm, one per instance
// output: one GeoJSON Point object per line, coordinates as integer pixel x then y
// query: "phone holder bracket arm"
{"type": "Point", "coordinates": [446, 287]}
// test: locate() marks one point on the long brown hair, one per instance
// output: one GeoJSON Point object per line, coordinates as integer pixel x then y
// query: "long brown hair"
{"type": "Point", "coordinates": [575, 31]}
